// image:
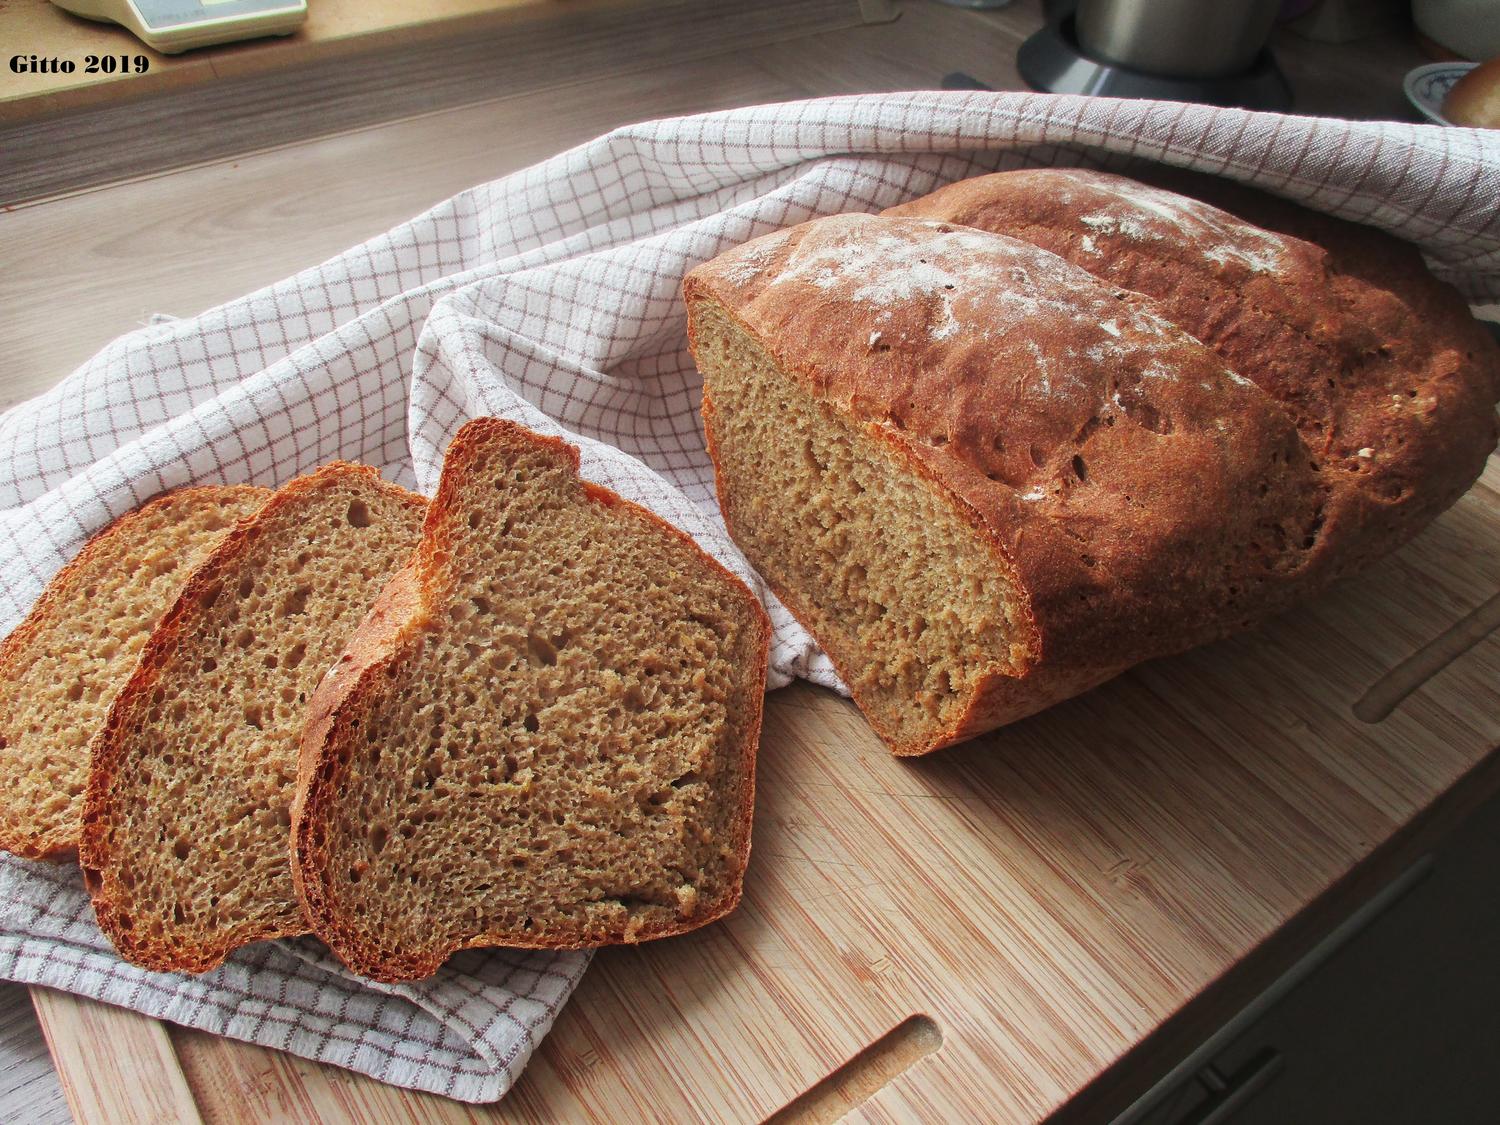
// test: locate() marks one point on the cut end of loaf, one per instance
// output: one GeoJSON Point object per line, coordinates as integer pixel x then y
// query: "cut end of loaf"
{"type": "Point", "coordinates": [61, 668]}
{"type": "Point", "coordinates": [884, 567]}
{"type": "Point", "coordinates": [188, 805]}
{"type": "Point", "coordinates": [545, 734]}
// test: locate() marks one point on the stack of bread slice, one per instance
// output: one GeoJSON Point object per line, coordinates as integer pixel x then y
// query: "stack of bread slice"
{"type": "Point", "coordinates": [525, 714]}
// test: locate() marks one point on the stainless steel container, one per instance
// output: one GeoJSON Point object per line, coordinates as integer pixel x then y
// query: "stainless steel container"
{"type": "Point", "coordinates": [1176, 38]}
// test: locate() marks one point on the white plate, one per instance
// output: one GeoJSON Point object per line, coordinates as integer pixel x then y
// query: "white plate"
{"type": "Point", "coordinates": [1427, 86]}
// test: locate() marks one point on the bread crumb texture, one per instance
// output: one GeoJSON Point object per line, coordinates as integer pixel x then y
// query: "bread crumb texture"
{"type": "Point", "coordinates": [544, 735]}
{"type": "Point", "coordinates": [62, 666]}
{"type": "Point", "coordinates": [185, 841]}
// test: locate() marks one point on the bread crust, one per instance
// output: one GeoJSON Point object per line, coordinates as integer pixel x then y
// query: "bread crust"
{"type": "Point", "coordinates": [1124, 567]}
{"type": "Point", "coordinates": [1388, 377]}
{"type": "Point", "coordinates": [96, 857]}
{"type": "Point", "coordinates": [61, 846]}
{"type": "Point", "coordinates": [374, 653]}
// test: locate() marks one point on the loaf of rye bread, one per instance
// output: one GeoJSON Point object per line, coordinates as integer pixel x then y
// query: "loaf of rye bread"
{"type": "Point", "coordinates": [988, 479]}
{"type": "Point", "coordinates": [542, 736]}
{"type": "Point", "coordinates": [61, 667]}
{"type": "Point", "coordinates": [185, 844]}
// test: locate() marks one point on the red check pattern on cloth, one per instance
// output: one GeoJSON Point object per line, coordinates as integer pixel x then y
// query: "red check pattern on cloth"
{"type": "Point", "coordinates": [552, 297]}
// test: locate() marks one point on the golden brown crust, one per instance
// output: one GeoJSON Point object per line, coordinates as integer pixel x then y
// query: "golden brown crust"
{"type": "Point", "coordinates": [96, 855]}
{"type": "Point", "coordinates": [14, 650]}
{"type": "Point", "coordinates": [374, 654]}
{"type": "Point", "coordinates": [1061, 414]}
{"type": "Point", "coordinates": [1321, 470]}
{"type": "Point", "coordinates": [1389, 378]}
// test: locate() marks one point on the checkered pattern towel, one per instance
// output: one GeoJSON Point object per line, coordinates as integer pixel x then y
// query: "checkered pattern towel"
{"type": "Point", "coordinates": [551, 297]}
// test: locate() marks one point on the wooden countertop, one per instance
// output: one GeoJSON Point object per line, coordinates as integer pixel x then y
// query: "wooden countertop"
{"type": "Point", "coordinates": [1044, 918]}
{"type": "Point", "coordinates": [333, 28]}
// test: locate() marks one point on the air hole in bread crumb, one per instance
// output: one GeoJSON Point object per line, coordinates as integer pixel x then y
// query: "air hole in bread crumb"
{"type": "Point", "coordinates": [1080, 469]}
{"type": "Point", "coordinates": [75, 691]}
{"type": "Point", "coordinates": [177, 915]}
{"type": "Point", "coordinates": [294, 657]}
{"type": "Point", "coordinates": [246, 638]}
{"type": "Point", "coordinates": [1037, 456]}
{"type": "Point", "coordinates": [481, 605]}
{"type": "Point", "coordinates": [686, 779]}
{"type": "Point", "coordinates": [182, 849]}
{"type": "Point", "coordinates": [359, 514]}
{"type": "Point", "coordinates": [540, 649]}
{"type": "Point", "coordinates": [247, 586]}
{"type": "Point", "coordinates": [475, 519]}
{"type": "Point", "coordinates": [532, 723]}
{"type": "Point", "coordinates": [810, 456]}
{"type": "Point", "coordinates": [296, 602]}
{"type": "Point", "coordinates": [209, 664]}
{"type": "Point", "coordinates": [253, 716]}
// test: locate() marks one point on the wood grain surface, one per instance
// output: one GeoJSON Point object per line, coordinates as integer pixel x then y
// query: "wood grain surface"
{"type": "Point", "coordinates": [524, 47]}
{"type": "Point", "coordinates": [29, 1089]}
{"type": "Point", "coordinates": [976, 936]}
{"type": "Point", "coordinates": [119, 1065]}
{"type": "Point", "coordinates": [333, 28]}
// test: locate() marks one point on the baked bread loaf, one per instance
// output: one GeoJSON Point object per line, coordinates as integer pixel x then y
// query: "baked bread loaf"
{"type": "Point", "coordinates": [986, 480]}
{"type": "Point", "coordinates": [1390, 380]}
{"type": "Point", "coordinates": [61, 667]}
{"type": "Point", "coordinates": [186, 815]}
{"type": "Point", "coordinates": [1475, 98]}
{"type": "Point", "coordinates": [543, 735]}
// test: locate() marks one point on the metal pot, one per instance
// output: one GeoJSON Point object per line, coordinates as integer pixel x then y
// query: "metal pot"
{"type": "Point", "coordinates": [1176, 38]}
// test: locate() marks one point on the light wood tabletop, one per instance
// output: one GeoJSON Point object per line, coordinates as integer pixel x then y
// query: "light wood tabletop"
{"type": "Point", "coordinates": [1044, 919]}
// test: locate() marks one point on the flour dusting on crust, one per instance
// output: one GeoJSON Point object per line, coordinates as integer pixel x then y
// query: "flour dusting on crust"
{"type": "Point", "coordinates": [1142, 213]}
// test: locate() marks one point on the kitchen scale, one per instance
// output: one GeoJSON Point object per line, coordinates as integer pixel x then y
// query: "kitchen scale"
{"type": "Point", "coordinates": [173, 26]}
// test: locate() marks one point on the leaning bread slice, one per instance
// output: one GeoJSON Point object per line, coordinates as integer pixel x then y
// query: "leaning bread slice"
{"type": "Point", "coordinates": [189, 795]}
{"type": "Point", "coordinates": [61, 667]}
{"type": "Point", "coordinates": [544, 734]}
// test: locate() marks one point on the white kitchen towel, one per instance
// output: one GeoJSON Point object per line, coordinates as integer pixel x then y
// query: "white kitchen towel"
{"type": "Point", "coordinates": [551, 296]}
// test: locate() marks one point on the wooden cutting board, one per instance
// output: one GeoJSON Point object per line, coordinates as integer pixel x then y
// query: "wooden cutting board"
{"type": "Point", "coordinates": [980, 935]}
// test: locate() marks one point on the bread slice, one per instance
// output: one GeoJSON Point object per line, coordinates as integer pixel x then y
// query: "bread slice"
{"type": "Point", "coordinates": [61, 667]}
{"type": "Point", "coordinates": [189, 795]}
{"type": "Point", "coordinates": [543, 735]}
